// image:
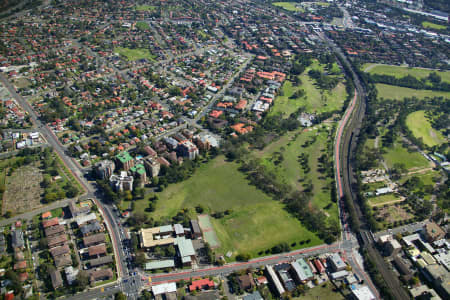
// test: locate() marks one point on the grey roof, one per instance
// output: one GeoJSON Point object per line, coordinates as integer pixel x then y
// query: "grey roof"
{"type": "Point", "coordinates": [178, 229]}
{"type": "Point", "coordinates": [253, 296]}
{"type": "Point", "coordinates": [88, 228]}
{"type": "Point", "coordinates": [100, 261]}
{"type": "Point", "coordinates": [185, 247]}
{"type": "Point", "coordinates": [161, 264]}
{"type": "Point", "coordinates": [17, 239]}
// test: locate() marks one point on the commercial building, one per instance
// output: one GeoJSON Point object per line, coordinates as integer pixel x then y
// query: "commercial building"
{"type": "Point", "coordinates": [164, 289]}
{"type": "Point", "coordinates": [362, 293]}
{"type": "Point", "coordinates": [302, 272]}
{"type": "Point", "coordinates": [337, 264]}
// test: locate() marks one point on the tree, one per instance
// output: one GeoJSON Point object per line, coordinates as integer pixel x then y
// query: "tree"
{"type": "Point", "coordinates": [82, 280]}
{"type": "Point", "coordinates": [140, 258]}
{"type": "Point", "coordinates": [120, 296]}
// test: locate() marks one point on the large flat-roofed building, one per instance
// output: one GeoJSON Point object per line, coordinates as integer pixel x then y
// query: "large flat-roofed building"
{"type": "Point", "coordinates": [160, 264]}
{"type": "Point", "coordinates": [439, 278]}
{"type": "Point", "coordinates": [433, 232]}
{"type": "Point", "coordinates": [336, 262]}
{"type": "Point", "coordinates": [125, 160]}
{"type": "Point", "coordinates": [151, 237]}
{"type": "Point", "coordinates": [186, 250]}
{"type": "Point", "coordinates": [275, 280]}
{"type": "Point", "coordinates": [362, 293]}
{"type": "Point", "coordinates": [302, 271]}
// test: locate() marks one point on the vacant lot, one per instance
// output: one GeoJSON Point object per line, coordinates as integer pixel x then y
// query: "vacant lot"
{"type": "Point", "coordinates": [420, 126]}
{"type": "Point", "coordinates": [399, 154]}
{"type": "Point", "coordinates": [399, 71]}
{"type": "Point", "coordinates": [23, 190]}
{"type": "Point", "coordinates": [387, 91]}
{"type": "Point", "coordinates": [324, 291]}
{"type": "Point", "coordinates": [218, 186]}
{"type": "Point", "coordinates": [134, 54]}
{"type": "Point", "coordinates": [393, 213]}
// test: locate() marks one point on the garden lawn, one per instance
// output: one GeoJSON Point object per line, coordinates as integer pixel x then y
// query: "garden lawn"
{"type": "Point", "coordinates": [289, 170]}
{"type": "Point", "coordinates": [314, 101]}
{"type": "Point", "coordinates": [324, 291]}
{"type": "Point", "coordinates": [134, 54]}
{"type": "Point", "coordinates": [399, 71]}
{"type": "Point", "coordinates": [290, 6]}
{"type": "Point", "coordinates": [420, 126]}
{"type": "Point", "coordinates": [387, 91]}
{"type": "Point", "coordinates": [399, 154]}
{"type": "Point", "coordinates": [427, 24]}
{"type": "Point", "coordinates": [219, 185]}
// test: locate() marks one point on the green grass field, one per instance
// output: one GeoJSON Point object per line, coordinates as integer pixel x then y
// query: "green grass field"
{"type": "Point", "coordinates": [399, 154]}
{"type": "Point", "coordinates": [324, 291]}
{"type": "Point", "coordinates": [289, 170]}
{"type": "Point", "coordinates": [142, 25]}
{"type": "Point", "coordinates": [290, 6]}
{"type": "Point", "coordinates": [399, 71]}
{"type": "Point", "coordinates": [134, 54]}
{"type": "Point", "coordinates": [315, 100]}
{"type": "Point", "coordinates": [420, 126]}
{"type": "Point", "coordinates": [218, 186]}
{"type": "Point", "coordinates": [380, 200]}
{"type": "Point", "coordinates": [428, 178]}
{"type": "Point", "coordinates": [387, 91]}
{"type": "Point", "coordinates": [426, 24]}
{"type": "Point", "coordinates": [145, 7]}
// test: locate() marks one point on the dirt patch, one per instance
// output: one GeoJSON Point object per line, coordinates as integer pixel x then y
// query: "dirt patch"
{"type": "Point", "coordinates": [393, 213]}
{"type": "Point", "coordinates": [23, 190]}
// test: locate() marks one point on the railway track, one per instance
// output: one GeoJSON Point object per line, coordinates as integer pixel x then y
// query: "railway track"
{"type": "Point", "coordinates": [347, 148]}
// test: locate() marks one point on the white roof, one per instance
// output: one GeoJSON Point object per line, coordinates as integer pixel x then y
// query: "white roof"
{"type": "Point", "coordinates": [164, 288]}
{"type": "Point", "coordinates": [178, 229]}
{"type": "Point", "coordinates": [363, 293]}
{"type": "Point", "coordinates": [86, 218]}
